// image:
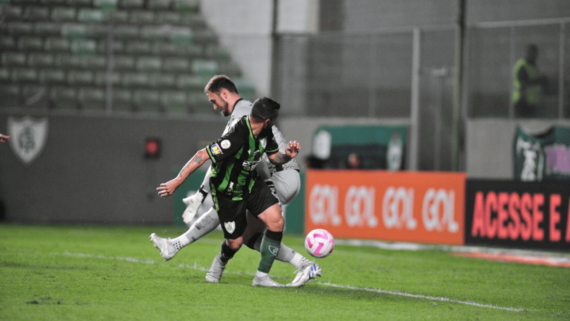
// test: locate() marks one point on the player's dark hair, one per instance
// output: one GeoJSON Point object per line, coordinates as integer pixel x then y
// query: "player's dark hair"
{"type": "Point", "coordinates": [264, 108]}
{"type": "Point", "coordinates": [220, 82]}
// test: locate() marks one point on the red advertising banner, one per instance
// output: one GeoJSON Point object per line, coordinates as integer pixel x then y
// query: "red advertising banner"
{"type": "Point", "coordinates": [422, 207]}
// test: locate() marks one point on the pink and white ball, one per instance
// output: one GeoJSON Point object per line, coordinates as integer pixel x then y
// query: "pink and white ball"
{"type": "Point", "coordinates": [319, 243]}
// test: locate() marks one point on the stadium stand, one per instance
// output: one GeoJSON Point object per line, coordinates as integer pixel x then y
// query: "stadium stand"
{"type": "Point", "coordinates": [149, 56]}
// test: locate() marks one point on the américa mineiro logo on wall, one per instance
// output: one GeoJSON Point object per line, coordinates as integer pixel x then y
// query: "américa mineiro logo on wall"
{"type": "Point", "coordinates": [28, 137]}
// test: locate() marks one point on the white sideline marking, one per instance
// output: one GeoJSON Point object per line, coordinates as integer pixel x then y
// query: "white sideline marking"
{"type": "Point", "coordinates": [195, 266]}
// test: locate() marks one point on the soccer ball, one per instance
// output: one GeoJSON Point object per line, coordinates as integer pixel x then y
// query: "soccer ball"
{"type": "Point", "coordinates": [319, 243]}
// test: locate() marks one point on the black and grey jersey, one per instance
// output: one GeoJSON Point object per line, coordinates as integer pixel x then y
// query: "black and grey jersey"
{"type": "Point", "coordinates": [234, 158]}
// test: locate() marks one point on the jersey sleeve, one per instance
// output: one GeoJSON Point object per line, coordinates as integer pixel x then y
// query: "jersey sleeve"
{"type": "Point", "coordinates": [272, 146]}
{"type": "Point", "coordinates": [229, 144]}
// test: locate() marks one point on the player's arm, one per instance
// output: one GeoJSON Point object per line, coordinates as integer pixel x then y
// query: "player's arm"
{"type": "Point", "coordinates": [168, 188]}
{"type": "Point", "coordinates": [291, 151]}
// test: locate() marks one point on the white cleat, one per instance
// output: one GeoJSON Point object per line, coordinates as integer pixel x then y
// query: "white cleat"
{"type": "Point", "coordinates": [215, 273]}
{"type": "Point", "coordinates": [308, 272]}
{"type": "Point", "coordinates": [266, 281]}
{"type": "Point", "coordinates": [167, 250]}
{"type": "Point", "coordinates": [192, 202]}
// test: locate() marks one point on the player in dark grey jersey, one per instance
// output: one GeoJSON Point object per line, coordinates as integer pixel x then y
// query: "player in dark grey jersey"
{"type": "Point", "coordinates": [284, 181]}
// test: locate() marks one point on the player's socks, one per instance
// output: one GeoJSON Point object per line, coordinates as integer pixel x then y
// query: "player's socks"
{"type": "Point", "coordinates": [203, 225]}
{"type": "Point", "coordinates": [269, 249]}
{"type": "Point", "coordinates": [286, 254]}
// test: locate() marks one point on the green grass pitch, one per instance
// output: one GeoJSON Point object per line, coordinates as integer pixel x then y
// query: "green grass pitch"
{"type": "Point", "coordinates": [114, 273]}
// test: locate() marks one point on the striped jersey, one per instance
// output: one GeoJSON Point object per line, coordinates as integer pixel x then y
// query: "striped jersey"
{"type": "Point", "coordinates": [234, 157]}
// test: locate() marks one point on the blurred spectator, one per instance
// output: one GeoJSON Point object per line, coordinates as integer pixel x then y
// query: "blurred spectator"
{"type": "Point", "coordinates": [4, 138]}
{"type": "Point", "coordinates": [313, 162]}
{"type": "Point", "coordinates": [528, 84]}
{"type": "Point", "coordinates": [353, 161]}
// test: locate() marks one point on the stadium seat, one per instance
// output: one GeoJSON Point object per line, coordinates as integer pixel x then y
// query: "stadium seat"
{"type": "Point", "coordinates": [205, 68]}
{"type": "Point", "coordinates": [101, 78]}
{"type": "Point", "coordinates": [78, 78]}
{"type": "Point", "coordinates": [11, 13]}
{"type": "Point", "coordinates": [47, 29]}
{"type": "Point", "coordinates": [74, 30]}
{"type": "Point", "coordinates": [118, 46]}
{"type": "Point", "coordinates": [131, 4]}
{"type": "Point", "coordinates": [125, 32]}
{"type": "Point", "coordinates": [154, 33]}
{"type": "Point", "coordinates": [141, 17]}
{"type": "Point", "coordinates": [24, 75]}
{"type": "Point", "coordinates": [20, 28]}
{"type": "Point", "coordinates": [40, 59]}
{"type": "Point", "coordinates": [162, 81]}
{"type": "Point", "coordinates": [96, 62]}
{"type": "Point", "coordinates": [83, 46]}
{"type": "Point", "coordinates": [199, 104]}
{"type": "Point", "coordinates": [36, 13]}
{"type": "Point", "coordinates": [170, 17]}
{"type": "Point", "coordinates": [79, 3]}
{"type": "Point", "coordinates": [194, 20]}
{"type": "Point", "coordinates": [53, 2]}
{"type": "Point", "coordinates": [159, 4]}
{"type": "Point", "coordinates": [176, 64]}
{"type": "Point", "coordinates": [124, 62]}
{"type": "Point", "coordinates": [121, 100]}
{"type": "Point", "coordinates": [190, 82]}
{"type": "Point", "coordinates": [105, 4]}
{"type": "Point", "coordinates": [63, 98]}
{"type": "Point", "coordinates": [181, 35]}
{"type": "Point", "coordinates": [24, 2]}
{"type": "Point", "coordinates": [63, 14]}
{"type": "Point", "coordinates": [186, 5]}
{"type": "Point", "coordinates": [174, 102]}
{"type": "Point", "coordinates": [30, 44]}
{"type": "Point", "coordinates": [149, 63]}
{"type": "Point", "coordinates": [4, 75]}
{"type": "Point", "coordinates": [69, 61]}
{"type": "Point", "coordinates": [52, 76]}
{"type": "Point", "coordinates": [147, 101]}
{"type": "Point", "coordinates": [91, 16]}
{"type": "Point", "coordinates": [216, 52]}
{"type": "Point", "coordinates": [167, 49]}
{"type": "Point", "coordinates": [57, 44]}
{"type": "Point", "coordinates": [7, 43]}
{"type": "Point", "coordinates": [204, 37]}
{"type": "Point", "coordinates": [134, 80]}
{"type": "Point", "coordinates": [11, 59]}
{"type": "Point", "coordinates": [137, 47]}
{"type": "Point", "coordinates": [91, 98]}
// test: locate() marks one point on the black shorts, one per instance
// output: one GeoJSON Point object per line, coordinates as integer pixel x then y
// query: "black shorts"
{"type": "Point", "coordinates": [232, 213]}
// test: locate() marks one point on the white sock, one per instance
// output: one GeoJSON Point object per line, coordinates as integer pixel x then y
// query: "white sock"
{"type": "Point", "coordinates": [203, 225]}
{"type": "Point", "coordinates": [260, 274]}
{"type": "Point", "coordinates": [297, 260]}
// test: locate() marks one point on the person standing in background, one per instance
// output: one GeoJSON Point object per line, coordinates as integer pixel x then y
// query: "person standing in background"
{"type": "Point", "coordinates": [528, 84]}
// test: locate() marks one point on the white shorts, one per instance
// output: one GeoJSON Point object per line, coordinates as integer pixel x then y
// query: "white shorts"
{"type": "Point", "coordinates": [287, 184]}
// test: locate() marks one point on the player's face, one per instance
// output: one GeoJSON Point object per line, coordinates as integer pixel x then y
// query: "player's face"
{"type": "Point", "coordinates": [219, 103]}
{"type": "Point", "coordinates": [269, 122]}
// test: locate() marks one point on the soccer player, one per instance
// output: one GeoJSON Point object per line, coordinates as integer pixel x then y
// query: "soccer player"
{"type": "Point", "coordinates": [284, 181]}
{"type": "Point", "coordinates": [235, 186]}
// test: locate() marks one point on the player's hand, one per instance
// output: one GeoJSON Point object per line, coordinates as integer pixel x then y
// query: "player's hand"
{"type": "Point", "coordinates": [293, 149]}
{"type": "Point", "coordinates": [168, 188]}
{"type": "Point", "coordinates": [4, 138]}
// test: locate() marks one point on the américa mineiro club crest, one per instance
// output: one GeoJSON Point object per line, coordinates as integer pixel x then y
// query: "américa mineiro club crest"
{"type": "Point", "coordinates": [28, 137]}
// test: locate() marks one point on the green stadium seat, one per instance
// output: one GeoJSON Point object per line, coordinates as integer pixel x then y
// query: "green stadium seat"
{"type": "Point", "coordinates": [126, 32]}
{"type": "Point", "coordinates": [105, 4]}
{"type": "Point", "coordinates": [186, 5]}
{"type": "Point", "coordinates": [153, 33]}
{"type": "Point", "coordinates": [217, 52]}
{"type": "Point", "coordinates": [174, 102]}
{"type": "Point", "coordinates": [124, 62]}
{"type": "Point", "coordinates": [162, 81]}
{"type": "Point", "coordinates": [7, 43]}
{"type": "Point", "coordinates": [4, 75]}
{"type": "Point", "coordinates": [63, 14]}
{"type": "Point", "coordinates": [64, 98]}
{"type": "Point", "coordinates": [80, 3]}
{"type": "Point", "coordinates": [20, 28]}
{"type": "Point", "coordinates": [149, 63]}
{"type": "Point", "coordinates": [53, 2]}
{"type": "Point", "coordinates": [131, 4]}
{"type": "Point", "coordinates": [169, 17]}
{"type": "Point", "coordinates": [40, 59]}
{"type": "Point", "coordinates": [52, 76]}
{"type": "Point", "coordinates": [199, 104]}
{"type": "Point", "coordinates": [159, 4]}
{"type": "Point", "coordinates": [91, 98]}
{"type": "Point", "coordinates": [147, 100]}
{"type": "Point", "coordinates": [11, 59]}
{"type": "Point", "coordinates": [193, 20]}
{"type": "Point", "coordinates": [96, 62]}
{"type": "Point", "coordinates": [12, 13]}
{"type": "Point", "coordinates": [69, 61]}
{"type": "Point", "coordinates": [229, 68]}
{"type": "Point", "coordinates": [190, 82]}
{"type": "Point", "coordinates": [118, 16]}
{"type": "Point", "coordinates": [9, 95]}
{"type": "Point", "coordinates": [137, 47]}
{"type": "Point", "coordinates": [78, 78]}
{"type": "Point", "coordinates": [24, 75]}
{"type": "Point", "coordinates": [101, 78]}
{"type": "Point", "coordinates": [36, 13]}
{"type": "Point", "coordinates": [176, 64]}
{"type": "Point", "coordinates": [91, 16]}
{"type": "Point", "coordinates": [121, 100]}
{"type": "Point", "coordinates": [117, 45]}
{"type": "Point", "coordinates": [167, 49]}
{"type": "Point", "coordinates": [141, 16]}
{"type": "Point", "coordinates": [30, 43]}
{"type": "Point", "coordinates": [134, 80]}
{"type": "Point", "coordinates": [83, 46]}
{"type": "Point", "coordinates": [181, 35]}
{"type": "Point", "coordinates": [24, 2]}
{"type": "Point", "coordinates": [47, 29]}
{"type": "Point", "coordinates": [75, 30]}
{"type": "Point", "coordinates": [204, 36]}
{"type": "Point", "coordinates": [57, 44]}
{"type": "Point", "coordinates": [205, 68]}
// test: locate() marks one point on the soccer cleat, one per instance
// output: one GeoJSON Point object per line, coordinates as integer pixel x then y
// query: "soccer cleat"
{"type": "Point", "coordinates": [215, 272]}
{"type": "Point", "coordinates": [192, 202]}
{"type": "Point", "coordinates": [167, 250]}
{"type": "Point", "coordinates": [306, 273]}
{"type": "Point", "coordinates": [266, 281]}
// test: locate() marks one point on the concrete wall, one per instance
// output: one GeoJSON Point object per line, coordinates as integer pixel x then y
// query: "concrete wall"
{"type": "Point", "coordinates": [490, 143]}
{"type": "Point", "coordinates": [92, 169]}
